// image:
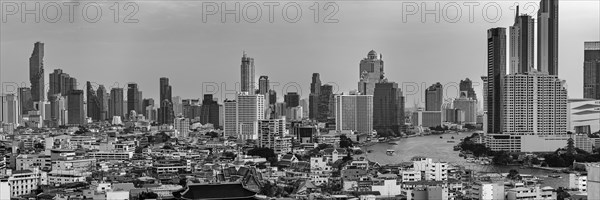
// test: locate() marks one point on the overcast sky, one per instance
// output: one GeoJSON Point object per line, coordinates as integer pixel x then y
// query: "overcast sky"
{"type": "Point", "coordinates": [171, 40]}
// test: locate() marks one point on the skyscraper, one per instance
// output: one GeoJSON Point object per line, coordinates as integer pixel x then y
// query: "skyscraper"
{"type": "Point", "coordinates": [495, 78]}
{"type": "Point", "coordinates": [210, 111]}
{"type": "Point", "coordinates": [36, 73]}
{"type": "Point", "coordinates": [521, 44]}
{"type": "Point", "coordinates": [242, 115]}
{"type": "Point", "coordinates": [326, 103]}
{"type": "Point", "coordinates": [547, 37]}
{"type": "Point", "coordinates": [93, 104]}
{"type": "Point", "coordinates": [76, 114]}
{"type": "Point", "coordinates": [388, 107]}
{"type": "Point", "coordinates": [313, 99]}
{"type": "Point", "coordinates": [292, 99]}
{"type": "Point", "coordinates": [165, 112]}
{"type": "Point", "coordinates": [263, 85]}
{"type": "Point", "coordinates": [534, 103]}
{"type": "Point", "coordinates": [58, 109]}
{"type": "Point", "coordinates": [61, 83]}
{"type": "Point", "coordinates": [115, 106]}
{"type": "Point", "coordinates": [591, 70]}
{"type": "Point", "coordinates": [134, 101]}
{"type": "Point", "coordinates": [25, 100]}
{"type": "Point", "coordinates": [102, 102]}
{"type": "Point", "coordinates": [354, 112]}
{"type": "Point", "coordinates": [272, 97]}
{"type": "Point", "coordinates": [10, 109]}
{"type": "Point", "coordinates": [434, 97]}
{"type": "Point", "coordinates": [247, 74]}
{"type": "Point", "coordinates": [370, 72]}
{"type": "Point", "coordinates": [467, 86]}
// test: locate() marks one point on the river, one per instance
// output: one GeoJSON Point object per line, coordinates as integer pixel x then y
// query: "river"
{"type": "Point", "coordinates": [432, 146]}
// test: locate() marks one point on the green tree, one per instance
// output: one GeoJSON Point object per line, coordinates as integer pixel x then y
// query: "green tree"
{"type": "Point", "coordinates": [345, 142]}
{"type": "Point", "coordinates": [513, 174]}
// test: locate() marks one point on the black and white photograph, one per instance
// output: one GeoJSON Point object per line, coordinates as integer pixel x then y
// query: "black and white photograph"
{"type": "Point", "coordinates": [299, 100]}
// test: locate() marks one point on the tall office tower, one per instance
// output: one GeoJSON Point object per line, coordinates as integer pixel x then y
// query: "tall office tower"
{"type": "Point", "coordinates": [148, 106]}
{"type": "Point", "coordinates": [263, 85]}
{"type": "Point", "coordinates": [177, 105]}
{"type": "Point", "coordinates": [292, 99]}
{"type": "Point", "coordinates": [326, 103]}
{"type": "Point", "coordinates": [269, 130]}
{"type": "Point", "coordinates": [148, 102]}
{"type": "Point", "coordinates": [547, 37]}
{"type": "Point", "coordinates": [354, 112]}
{"type": "Point", "coordinates": [58, 109]}
{"type": "Point", "coordinates": [247, 74]}
{"type": "Point", "coordinates": [272, 97]}
{"type": "Point", "coordinates": [467, 86]}
{"type": "Point", "coordinates": [521, 44]}
{"type": "Point", "coordinates": [165, 112]}
{"type": "Point", "coordinates": [370, 72]}
{"type": "Point", "coordinates": [388, 108]}
{"type": "Point", "coordinates": [434, 97]}
{"type": "Point", "coordinates": [495, 78]}
{"type": "Point", "coordinates": [209, 111]}
{"type": "Point", "coordinates": [25, 100]}
{"type": "Point", "coordinates": [61, 83]}
{"type": "Point", "coordinates": [76, 114]}
{"type": "Point", "coordinates": [134, 101]}
{"type": "Point", "coordinates": [313, 98]}
{"type": "Point", "coordinates": [534, 104]}
{"type": "Point", "coordinates": [115, 107]}
{"type": "Point", "coordinates": [10, 109]}
{"type": "Point", "coordinates": [92, 102]}
{"type": "Point", "coordinates": [102, 102]}
{"type": "Point", "coordinates": [468, 106]}
{"type": "Point", "coordinates": [305, 107]}
{"type": "Point", "coordinates": [242, 116]}
{"type": "Point", "coordinates": [182, 125]}
{"type": "Point", "coordinates": [36, 72]}
{"type": "Point", "coordinates": [591, 70]}
{"type": "Point", "coordinates": [191, 109]}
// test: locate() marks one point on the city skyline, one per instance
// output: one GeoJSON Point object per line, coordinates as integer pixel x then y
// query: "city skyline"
{"type": "Point", "coordinates": [405, 64]}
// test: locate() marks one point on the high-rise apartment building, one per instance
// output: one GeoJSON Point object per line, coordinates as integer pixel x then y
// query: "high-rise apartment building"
{"type": "Point", "coordinates": [354, 112]}
{"type": "Point", "coordinates": [467, 85]}
{"type": "Point", "coordinates": [534, 104]}
{"type": "Point", "coordinates": [134, 99]}
{"type": "Point", "coordinates": [269, 130]}
{"type": "Point", "coordinates": [241, 116]}
{"type": "Point", "coordinates": [468, 106]}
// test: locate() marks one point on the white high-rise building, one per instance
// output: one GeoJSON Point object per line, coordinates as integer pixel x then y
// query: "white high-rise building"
{"type": "Point", "coordinates": [534, 104]}
{"type": "Point", "coordinates": [593, 181]}
{"type": "Point", "coordinates": [241, 115]}
{"type": "Point", "coordinates": [354, 112]}
{"type": "Point", "coordinates": [269, 130]}
{"type": "Point", "coordinates": [182, 125]}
